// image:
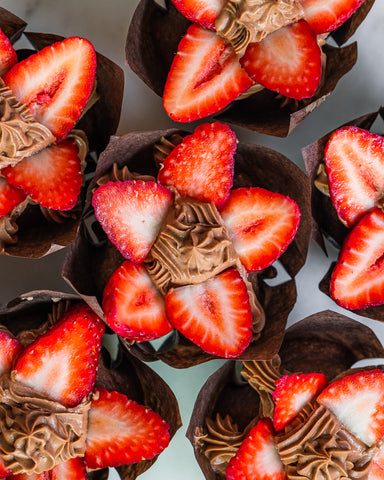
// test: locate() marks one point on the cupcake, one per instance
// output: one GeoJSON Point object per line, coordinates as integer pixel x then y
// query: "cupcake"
{"type": "Point", "coordinates": [192, 208]}
{"type": "Point", "coordinates": [61, 394]}
{"type": "Point", "coordinates": [345, 168]}
{"type": "Point", "coordinates": [230, 61]}
{"type": "Point", "coordinates": [42, 199]}
{"type": "Point", "coordinates": [284, 416]}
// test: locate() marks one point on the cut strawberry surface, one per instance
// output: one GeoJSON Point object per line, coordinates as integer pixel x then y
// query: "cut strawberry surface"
{"type": "Point", "coordinates": [257, 458]}
{"type": "Point", "coordinates": [358, 279]}
{"type": "Point", "coordinates": [376, 471]}
{"type": "Point", "coordinates": [56, 83]}
{"type": "Point", "coordinates": [133, 307]}
{"type": "Point", "coordinates": [73, 469]}
{"type": "Point", "coordinates": [215, 314]}
{"type": "Point", "coordinates": [8, 56]}
{"type": "Point", "coordinates": [201, 167]}
{"type": "Point", "coordinates": [287, 61]}
{"type": "Point", "coordinates": [292, 393]}
{"type": "Point", "coordinates": [326, 15]}
{"type": "Point", "coordinates": [122, 432]}
{"type": "Point", "coordinates": [261, 225]}
{"type": "Point", "coordinates": [9, 349]}
{"type": "Point", "coordinates": [354, 160]}
{"type": "Point", "coordinates": [131, 213]}
{"type": "Point", "coordinates": [10, 197]}
{"type": "Point", "coordinates": [62, 363]}
{"type": "Point", "coordinates": [52, 177]}
{"type": "Point", "coordinates": [205, 76]}
{"type": "Point", "coordinates": [357, 400]}
{"type": "Point", "coordinates": [203, 12]}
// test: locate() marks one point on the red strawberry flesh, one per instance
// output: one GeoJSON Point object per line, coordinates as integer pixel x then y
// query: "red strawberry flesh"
{"type": "Point", "coordinates": [9, 349]}
{"type": "Point", "coordinates": [72, 469]}
{"type": "Point", "coordinates": [8, 56]}
{"type": "Point", "coordinates": [203, 12]}
{"type": "Point", "coordinates": [10, 197]}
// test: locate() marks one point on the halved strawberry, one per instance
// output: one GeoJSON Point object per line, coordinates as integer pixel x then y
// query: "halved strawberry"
{"type": "Point", "coordinates": [376, 471]}
{"type": "Point", "coordinates": [201, 166]}
{"type": "Point", "coordinates": [292, 393]}
{"type": "Point", "coordinates": [287, 61]}
{"type": "Point", "coordinates": [357, 400]}
{"type": "Point", "coordinates": [215, 314]}
{"type": "Point", "coordinates": [8, 56]}
{"type": "Point", "coordinates": [257, 458]}
{"type": "Point", "coordinates": [9, 349]}
{"type": "Point", "coordinates": [203, 12]}
{"type": "Point", "coordinates": [52, 177]}
{"type": "Point", "coordinates": [326, 15]}
{"type": "Point", "coordinates": [131, 213]}
{"type": "Point", "coordinates": [205, 76]}
{"type": "Point", "coordinates": [56, 83]}
{"type": "Point", "coordinates": [62, 363]}
{"type": "Point", "coordinates": [354, 160]}
{"type": "Point", "coordinates": [261, 225]}
{"type": "Point", "coordinates": [10, 197]}
{"type": "Point", "coordinates": [72, 469]}
{"type": "Point", "coordinates": [122, 432]}
{"type": "Point", "coordinates": [133, 307]}
{"type": "Point", "coordinates": [358, 278]}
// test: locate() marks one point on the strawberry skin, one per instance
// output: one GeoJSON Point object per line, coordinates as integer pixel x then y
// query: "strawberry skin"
{"type": "Point", "coordinates": [52, 177]}
{"type": "Point", "coordinates": [10, 197]}
{"type": "Point", "coordinates": [9, 349]}
{"type": "Point", "coordinates": [358, 279]}
{"type": "Point", "coordinates": [261, 225]}
{"type": "Point", "coordinates": [292, 393]}
{"type": "Point", "coordinates": [62, 363]}
{"type": "Point", "coordinates": [203, 12]}
{"type": "Point", "coordinates": [8, 56]}
{"type": "Point", "coordinates": [205, 76]}
{"type": "Point", "coordinates": [122, 432]}
{"type": "Point", "coordinates": [287, 61]}
{"type": "Point", "coordinates": [132, 305]}
{"type": "Point", "coordinates": [257, 458]}
{"type": "Point", "coordinates": [215, 314]}
{"type": "Point", "coordinates": [357, 400]}
{"type": "Point", "coordinates": [201, 167]}
{"type": "Point", "coordinates": [131, 213]}
{"type": "Point", "coordinates": [56, 83]}
{"type": "Point", "coordinates": [326, 15]}
{"type": "Point", "coordinates": [354, 160]}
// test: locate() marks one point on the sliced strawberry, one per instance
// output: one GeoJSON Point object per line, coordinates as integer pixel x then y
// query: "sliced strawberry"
{"type": "Point", "coordinates": [261, 225]}
{"type": "Point", "coordinates": [326, 15]}
{"type": "Point", "coordinates": [203, 12]}
{"type": "Point", "coordinates": [133, 307]}
{"type": "Point", "coordinates": [56, 83]}
{"type": "Point", "coordinates": [9, 349]}
{"type": "Point", "coordinates": [62, 363]}
{"type": "Point", "coordinates": [358, 278]}
{"type": "Point", "coordinates": [73, 469]}
{"type": "Point", "coordinates": [376, 471]}
{"type": "Point", "coordinates": [215, 314]}
{"type": "Point", "coordinates": [292, 393]}
{"type": "Point", "coordinates": [357, 400]}
{"type": "Point", "coordinates": [287, 61]}
{"type": "Point", "coordinates": [8, 56]}
{"type": "Point", "coordinates": [257, 458]}
{"type": "Point", "coordinates": [131, 213]}
{"type": "Point", "coordinates": [31, 476]}
{"type": "Point", "coordinates": [4, 472]}
{"type": "Point", "coordinates": [10, 197]}
{"type": "Point", "coordinates": [122, 432]}
{"type": "Point", "coordinates": [52, 177]}
{"type": "Point", "coordinates": [205, 76]}
{"type": "Point", "coordinates": [354, 159]}
{"type": "Point", "coordinates": [201, 166]}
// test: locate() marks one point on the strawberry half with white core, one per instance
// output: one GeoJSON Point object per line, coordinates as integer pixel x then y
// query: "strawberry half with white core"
{"type": "Point", "coordinates": [203, 12]}
{"type": "Point", "coordinates": [131, 213]}
{"type": "Point", "coordinates": [357, 400]}
{"type": "Point", "coordinates": [287, 61]}
{"type": "Point", "coordinates": [205, 76]}
{"type": "Point", "coordinates": [257, 458]}
{"type": "Point", "coordinates": [62, 363]}
{"type": "Point", "coordinates": [122, 432]}
{"type": "Point", "coordinates": [358, 279]}
{"type": "Point", "coordinates": [133, 307]}
{"type": "Point", "coordinates": [292, 393]}
{"type": "Point", "coordinates": [10, 197]}
{"type": "Point", "coordinates": [8, 56]}
{"type": "Point", "coordinates": [52, 177]}
{"type": "Point", "coordinates": [9, 349]}
{"type": "Point", "coordinates": [55, 83]}
{"type": "Point", "coordinates": [326, 15]}
{"type": "Point", "coordinates": [201, 166]}
{"type": "Point", "coordinates": [354, 160]}
{"type": "Point", "coordinates": [215, 314]}
{"type": "Point", "coordinates": [261, 225]}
